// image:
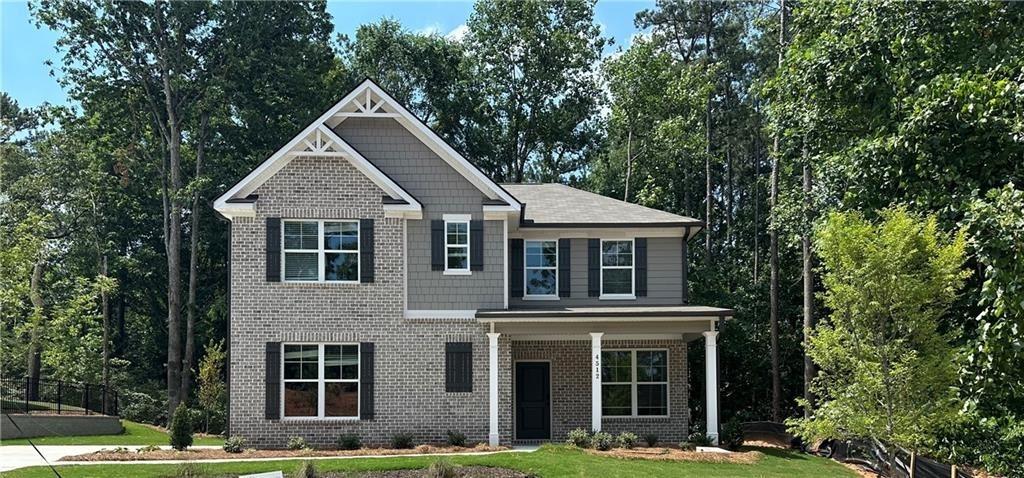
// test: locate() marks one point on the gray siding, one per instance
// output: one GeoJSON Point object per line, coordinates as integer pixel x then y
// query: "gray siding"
{"type": "Point", "coordinates": [441, 190]}
{"type": "Point", "coordinates": [664, 277]}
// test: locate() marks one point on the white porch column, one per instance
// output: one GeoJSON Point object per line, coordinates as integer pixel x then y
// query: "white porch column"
{"type": "Point", "coordinates": [711, 382]}
{"type": "Point", "coordinates": [595, 381]}
{"type": "Point", "coordinates": [492, 437]}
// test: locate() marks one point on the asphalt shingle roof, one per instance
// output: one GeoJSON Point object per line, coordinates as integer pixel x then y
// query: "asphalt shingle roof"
{"type": "Point", "coordinates": [558, 204]}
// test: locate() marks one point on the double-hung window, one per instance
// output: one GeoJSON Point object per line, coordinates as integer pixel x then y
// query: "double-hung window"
{"type": "Point", "coordinates": [617, 268]}
{"type": "Point", "coordinates": [320, 381]}
{"type": "Point", "coordinates": [541, 269]}
{"type": "Point", "coordinates": [456, 244]}
{"type": "Point", "coordinates": [634, 383]}
{"type": "Point", "coordinates": [321, 251]}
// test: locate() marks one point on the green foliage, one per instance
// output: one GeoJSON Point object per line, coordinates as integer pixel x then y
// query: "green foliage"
{"type": "Point", "coordinates": [142, 408]}
{"type": "Point", "coordinates": [442, 468]}
{"type": "Point", "coordinates": [602, 441]}
{"type": "Point", "coordinates": [456, 438]}
{"type": "Point", "coordinates": [349, 441]}
{"type": "Point", "coordinates": [235, 444]}
{"type": "Point", "coordinates": [212, 396]}
{"type": "Point", "coordinates": [297, 443]}
{"type": "Point", "coordinates": [579, 438]}
{"type": "Point", "coordinates": [401, 441]}
{"type": "Point", "coordinates": [651, 439]}
{"type": "Point", "coordinates": [627, 440]}
{"type": "Point", "coordinates": [180, 430]}
{"type": "Point", "coordinates": [731, 437]}
{"type": "Point", "coordinates": [886, 372]}
{"type": "Point", "coordinates": [149, 449]}
{"type": "Point", "coordinates": [191, 469]}
{"type": "Point", "coordinates": [698, 439]}
{"type": "Point", "coordinates": [305, 470]}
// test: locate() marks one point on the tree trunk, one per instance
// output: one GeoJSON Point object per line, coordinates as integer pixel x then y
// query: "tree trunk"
{"type": "Point", "coordinates": [105, 304]}
{"type": "Point", "coordinates": [805, 239]}
{"type": "Point", "coordinates": [707, 138]}
{"type": "Point", "coordinates": [629, 163]}
{"type": "Point", "coordinates": [35, 345]}
{"type": "Point", "coordinates": [193, 269]}
{"type": "Point", "coordinates": [774, 250]}
{"type": "Point", "coordinates": [757, 207]}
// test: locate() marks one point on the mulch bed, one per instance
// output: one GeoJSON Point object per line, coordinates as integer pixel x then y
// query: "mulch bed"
{"type": "Point", "coordinates": [462, 472]}
{"type": "Point", "coordinates": [675, 454]}
{"type": "Point", "coordinates": [216, 453]}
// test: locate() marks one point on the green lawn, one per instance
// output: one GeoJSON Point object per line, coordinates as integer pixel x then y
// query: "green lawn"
{"type": "Point", "coordinates": [550, 461]}
{"type": "Point", "coordinates": [134, 434]}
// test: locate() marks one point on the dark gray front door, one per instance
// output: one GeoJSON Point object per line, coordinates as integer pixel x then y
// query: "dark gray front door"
{"type": "Point", "coordinates": [533, 401]}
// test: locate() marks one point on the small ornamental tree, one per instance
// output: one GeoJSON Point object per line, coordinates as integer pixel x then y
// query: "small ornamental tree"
{"type": "Point", "coordinates": [211, 382]}
{"type": "Point", "coordinates": [886, 372]}
{"type": "Point", "coordinates": [181, 428]}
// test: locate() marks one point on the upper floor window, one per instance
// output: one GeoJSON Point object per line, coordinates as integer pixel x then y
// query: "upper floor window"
{"type": "Point", "coordinates": [321, 380]}
{"type": "Point", "coordinates": [325, 251]}
{"type": "Point", "coordinates": [541, 268]}
{"type": "Point", "coordinates": [617, 268]}
{"type": "Point", "coordinates": [456, 244]}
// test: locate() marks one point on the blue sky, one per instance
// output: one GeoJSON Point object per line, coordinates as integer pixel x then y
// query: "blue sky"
{"type": "Point", "coordinates": [24, 49]}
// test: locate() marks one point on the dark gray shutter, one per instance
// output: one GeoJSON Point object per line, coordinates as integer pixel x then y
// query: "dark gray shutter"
{"type": "Point", "coordinates": [686, 271]}
{"type": "Point", "coordinates": [366, 250]}
{"type": "Point", "coordinates": [273, 249]}
{"type": "Point", "coordinates": [476, 245]}
{"type": "Point", "coordinates": [640, 274]}
{"type": "Point", "coordinates": [564, 259]}
{"type": "Point", "coordinates": [437, 245]}
{"type": "Point", "coordinates": [515, 252]}
{"type": "Point", "coordinates": [458, 367]}
{"type": "Point", "coordinates": [366, 360]}
{"type": "Point", "coordinates": [593, 267]}
{"type": "Point", "coordinates": [273, 385]}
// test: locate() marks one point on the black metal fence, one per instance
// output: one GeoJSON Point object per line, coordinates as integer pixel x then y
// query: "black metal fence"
{"type": "Point", "coordinates": [45, 397]}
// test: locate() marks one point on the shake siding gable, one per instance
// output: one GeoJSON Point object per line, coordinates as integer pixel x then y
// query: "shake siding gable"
{"type": "Point", "coordinates": [441, 190]}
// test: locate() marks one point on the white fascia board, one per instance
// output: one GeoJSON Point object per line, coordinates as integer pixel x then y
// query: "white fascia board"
{"type": "Point", "coordinates": [440, 314]}
{"type": "Point", "coordinates": [233, 210]}
{"type": "Point", "coordinates": [586, 320]}
{"type": "Point", "coordinates": [442, 149]}
{"type": "Point", "coordinates": [280, 158]}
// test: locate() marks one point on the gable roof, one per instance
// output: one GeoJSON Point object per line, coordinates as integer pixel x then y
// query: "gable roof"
{"type": "Point", "coordinates": [553, 205]}
{"type": "Point", "coordinates": [318, 140]}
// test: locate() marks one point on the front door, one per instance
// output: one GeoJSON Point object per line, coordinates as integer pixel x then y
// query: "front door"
{"type": "Point", "coordinates": [533, 401]}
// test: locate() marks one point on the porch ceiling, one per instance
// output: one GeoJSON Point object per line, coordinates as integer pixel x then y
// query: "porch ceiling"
{"type": "Point", "coordinates": [625, 322]}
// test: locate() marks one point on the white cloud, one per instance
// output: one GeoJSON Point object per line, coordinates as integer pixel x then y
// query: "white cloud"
{"type": "Point", "coordinates": [458, 33]}
{"type": "Point", "coordinates": [432, 29]}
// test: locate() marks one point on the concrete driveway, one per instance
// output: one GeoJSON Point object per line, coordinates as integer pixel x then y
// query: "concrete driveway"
{"type": "Point", "coordinates": [21, 456]}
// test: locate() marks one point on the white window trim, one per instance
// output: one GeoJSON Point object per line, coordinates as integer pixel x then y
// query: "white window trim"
{"type": "Point", "coordinates": [321, 252]}
{"type": "Point", "coordinates": [455, 219]}
{"type": "Point", "coordinates": [633, 383]}
{"type": "Point", "coordinates": [321, 381]}
{"type": "Point", "coordinates": [631, 267]}
{"type": "Point", "coordinates": [526, 273]}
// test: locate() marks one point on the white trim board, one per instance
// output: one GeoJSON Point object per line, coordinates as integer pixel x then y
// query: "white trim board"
{"type": "Point", "coordinates": [468, 314]}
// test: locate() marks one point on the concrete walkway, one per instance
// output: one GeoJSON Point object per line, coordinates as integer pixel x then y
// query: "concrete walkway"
{"type": "Point", "coordinates": [14, 457]}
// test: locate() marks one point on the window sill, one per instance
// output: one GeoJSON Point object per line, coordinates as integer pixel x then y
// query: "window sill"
{"type": "Point", "coordinates": [322, 282]}
{"type": "Point", "coordinates": [457, 273]}
{"type": "Point", "coordinates": [646, 418]}
{"type": "Point", "coordinates": [318, 419]}
{"type": "Point", "coordinates": [617, 297]}
{"type": "Point", "coordinates": [540, 297]}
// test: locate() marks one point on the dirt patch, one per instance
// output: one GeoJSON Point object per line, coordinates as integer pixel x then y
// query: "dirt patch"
{"type": "Point", "coordinates": [462, 471]}
{"type": "Point", "coordinates": [213, 454]}
{"type": "Point", "coordinates": [675, 454]}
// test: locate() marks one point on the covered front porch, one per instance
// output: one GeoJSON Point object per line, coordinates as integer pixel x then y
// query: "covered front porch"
{"type": "Point", "coordinates": [608, 369]}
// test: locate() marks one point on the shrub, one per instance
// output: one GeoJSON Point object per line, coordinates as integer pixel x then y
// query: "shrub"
{"type": "Point", "coordinates": [305, 470]}
{"type": "Point", "coordinates": [627, 440]}
{"type": "Point", "coordinates": [687, 446]}
{"type": "Point", "coordinates": [602, 441]}
{"type": "Point", "coordinates": [235, 444]}
{"type": "Point", "coordinates": [149, 448]}
{"type": "Point", "coordinates": [651, 439]}
{"type": "Point", "coordinates": [442, 468]}
{"type": "Point", "coordinates": [297, 443]}
{"type": "Point", "coordinates": [732, 435]}
{"type": "Point", "coordinates": [349, 441]}
{"type": "Point", "coordinates": [579, 438]}
{"type": "Point", "coordinates": [181, 428]}
{"type": "Point", "coordinates": [142, 408]}
{"type": "Point", "coordinates": [699, 439]}
{"type": "Point", "coordinates": [456, 438]}
{"type": "Point", "coordinates": [401, 441]}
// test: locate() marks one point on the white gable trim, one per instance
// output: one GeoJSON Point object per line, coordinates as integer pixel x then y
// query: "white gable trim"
{"type": "Point", "coordinates": [361, 102]}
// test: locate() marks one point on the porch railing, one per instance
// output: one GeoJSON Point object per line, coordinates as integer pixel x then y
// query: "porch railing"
{"type": "Point", "coordinates": [46, 397]}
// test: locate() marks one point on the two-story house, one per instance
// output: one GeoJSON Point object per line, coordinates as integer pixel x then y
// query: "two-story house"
{"type": "Point", "coordinates": [380, 283]}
